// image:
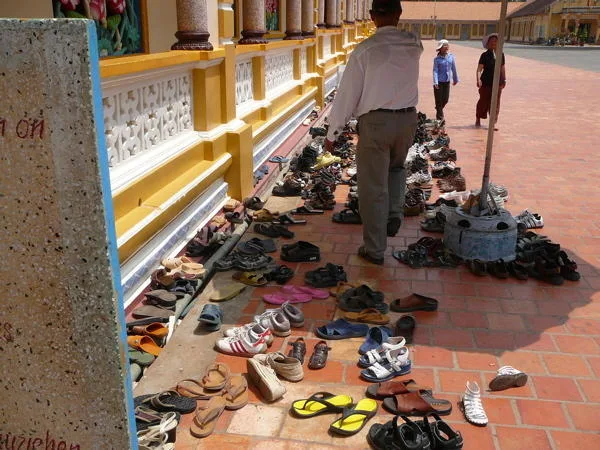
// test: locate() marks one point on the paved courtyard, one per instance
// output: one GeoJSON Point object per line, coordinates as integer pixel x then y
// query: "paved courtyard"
{"type": "Point", "coordinates": [546, 155]}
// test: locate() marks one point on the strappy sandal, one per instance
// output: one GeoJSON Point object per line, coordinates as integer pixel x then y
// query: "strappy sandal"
{"type": "Point", "coordinates": [390, 435]}
{"type": "Point", "coordinates": [440, 434]}
{"type": "Point", "coordinates": [394, 387]}
{"type": "Point", "coordinates": [195, 389]}
{"type": "Point", "coordinates": [320, 403]}
{"type": "Point", "coordinates": [327, 276]}
{"type": "Point", "coordinates": [286, 219]}
{"type": "Point", "coordinates": [206, 417]}
{"type": "Point", "coordinates": [250, 278]}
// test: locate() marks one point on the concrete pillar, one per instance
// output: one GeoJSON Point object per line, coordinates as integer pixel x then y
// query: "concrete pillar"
{"type": "Point", "coordinates": [330, 10]}
{"type": "Point", "coordinates": [308, 21]}
{"type": "Point", "coordinates": [192, 26]}
{"type": "Point", "coordinates": [349, 11]}
{"type": "Point", "coordinates": [293, 19]}
{"type": "Point", "coordinates": [253, 22]}
{"type": "Point", "coordinates": [321, 14]}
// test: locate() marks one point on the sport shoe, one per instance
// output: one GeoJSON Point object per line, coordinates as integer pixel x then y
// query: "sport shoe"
{"type": "Point", "coordinates": [263, 376]}
{"type": "Point", "coordinates": [276, 321]}
{"type": "Point", "coordinates": [530, 220]}
{"type": "Point", "coordinates": [293, 314]}
{"type": "Point", "coordinates": [508, 377]}
{"type": "Point", "coordinates": [472, 406]}
{"type": "Point", "coordinates": [285, 366]}
{"type": "Point", "coordinates": [236, 332]}
{"type": "Point", "coordinates": [245, 344]}
{"type": "Point", "coordinates": [444, 154]}
{"type": "Point", "coordinates": [419, 178]}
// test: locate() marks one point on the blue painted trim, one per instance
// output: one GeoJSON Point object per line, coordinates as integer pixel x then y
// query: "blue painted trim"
{"type": "Point", "coordinates": [109, 219]}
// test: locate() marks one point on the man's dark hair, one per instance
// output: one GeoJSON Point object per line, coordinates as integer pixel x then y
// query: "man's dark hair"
{"type": "Point", "coordinates": [385, 7]}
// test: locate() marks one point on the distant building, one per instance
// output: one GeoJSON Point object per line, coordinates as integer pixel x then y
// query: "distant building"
{"type": "Point", "coordinates": [545, 19]}
{"type": "Point", "coordinates": [452, 20]}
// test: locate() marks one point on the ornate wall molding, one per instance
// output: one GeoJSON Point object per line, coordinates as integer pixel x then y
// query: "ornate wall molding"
{"type": "Point", "coordinates": [243, 82]}
{"type": "Point", "coordinates": [279, 69]}
{"type": "Point", "coordinates": [303, 61]}
{"type": "Point", "coordinates": [146, 111]}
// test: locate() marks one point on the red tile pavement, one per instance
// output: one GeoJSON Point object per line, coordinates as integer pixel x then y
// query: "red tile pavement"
{"type": "Point", "coordinates": [545, 154]}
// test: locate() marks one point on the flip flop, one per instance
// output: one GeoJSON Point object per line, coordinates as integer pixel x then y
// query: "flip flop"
{"type": "Point", "coordinates": [216, 377]}
{"type": "Point", "coordinates": [195, 389]}
{"type": "Point", "coordinates": [226, 292]}
{"type": "Point", "coordinates": [152, 311]}
{"type": "Point", "coordinates": [206, 417]}
{"type": "Point", "coordinates": [354, 419]}
{"type": "Point", "coordinates": [250, 278]}
{"type": "Point", "coordinates": [160, 297]}
{"type": "Point", "coordinates": [341, 329]}
{"type": "Point", "coordinates": [280, 299]}
{"type": "Point", "coordinates": [370, 315]}
{"type": "Point", "coordinates": [418, 403]}
{"type": "Point", "coordinates": [279, 159]}
{"type": "Point", "coordinates": [286, 219]}
{"type": "Point", "coordinates": [144, 343]}
{"type": "Point", "coordinates": [320, 403]}
{"type": "Point", "coordinates": [154, 330]}
{"type": "Point", "coordinates": [235, 393]}
{"type": "Point", "coordinates": [314, 293]}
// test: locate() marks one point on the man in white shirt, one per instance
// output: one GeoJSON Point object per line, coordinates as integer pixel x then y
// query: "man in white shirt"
{"type": "Point", "coordinates": [380, 87]}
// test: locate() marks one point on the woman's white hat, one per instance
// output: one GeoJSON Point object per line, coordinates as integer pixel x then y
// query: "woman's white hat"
{"type": "Point", "coordinates": [485, 40]}
{"type": "Point", "coordinates": [441, 44]}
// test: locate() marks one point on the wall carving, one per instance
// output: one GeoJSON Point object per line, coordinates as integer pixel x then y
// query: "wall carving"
{"type": "Point", "coordinates": [243, 82]}
{"type": "Point", "coordinates": [279, 69]}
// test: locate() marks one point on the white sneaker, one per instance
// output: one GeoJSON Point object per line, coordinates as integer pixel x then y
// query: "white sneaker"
{"type": "Point", "coordinates": [530, 220]}
{"type": "Point", "coordinates": [240, 331]}
{"type": "Point", "coordinates": [246, 344]}
{"type": "Point", "coordinates": [263, 376]}
{"type": "Point", "coordinates": [419, 178]}
{"type": "Point", "coordinates": [508, 377]}
{"type": "Point", "coordinates": [472, 406]}
{"type": "Point", "coordinates": [276, 321]}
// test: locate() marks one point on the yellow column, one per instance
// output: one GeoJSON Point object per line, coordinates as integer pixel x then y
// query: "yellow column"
{"type": "Point", "coordinates": [297, 64]}
{"type": "Point", "coordinates": [240, 173]}
{"type": "Point", "coordinates": [258, 78]}
{"type": "Point", "coordinates": [228, 83]}
{"type": "Point", "coordinates": [207, 84]}
{"type": "Point", "coordinates": [226, 20]}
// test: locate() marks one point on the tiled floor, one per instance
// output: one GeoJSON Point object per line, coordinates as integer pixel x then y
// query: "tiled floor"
{"type": "Point", "coordinates": [546, 154]}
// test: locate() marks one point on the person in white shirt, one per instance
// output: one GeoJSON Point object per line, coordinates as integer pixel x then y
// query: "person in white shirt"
{"type": "Point", "coordinates": [380, 87]}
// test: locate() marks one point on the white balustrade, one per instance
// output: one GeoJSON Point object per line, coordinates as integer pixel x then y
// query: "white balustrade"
{"type": "Point", "coordinates": [303, 62]}
{"type": "Point", "coordinates": [243, 82]}
{"type": "Point", "coordinates": [279, 69]}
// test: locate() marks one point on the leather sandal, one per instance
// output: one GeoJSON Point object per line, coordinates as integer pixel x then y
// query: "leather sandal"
{"type": "Point", "coordinates": [318, 359]}
{"type": "Point", "coordinates": [417, 403]}
{"type": "Point", "coordinates": [298, 350]}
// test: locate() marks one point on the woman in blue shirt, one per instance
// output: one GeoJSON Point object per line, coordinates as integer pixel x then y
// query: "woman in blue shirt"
{"type": "Point", "coordinates": [444, 71]}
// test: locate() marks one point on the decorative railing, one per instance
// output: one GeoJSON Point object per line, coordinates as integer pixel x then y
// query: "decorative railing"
{"type": "Point", "coordinates": [279, 69]}
{"type": "Point", "coordinates": [303, 61]}
{"type": "Point", "coordinates": [326, 46]}
{"type": "Point", "coordinates": [144, 111]}
{"type": "Point", "coordinates": [243, 82]}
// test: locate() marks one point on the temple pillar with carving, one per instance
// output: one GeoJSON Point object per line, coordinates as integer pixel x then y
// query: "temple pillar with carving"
{"type": "Point", "coordinates": [192, 26]}
{"type": "Point", "coordinates": [293, 19]}
{"type": "Point", "coordinates": [349, 11]}
{"type": "Point", "coordinates": [253, 22]}
{"type": "Point", "coordinates": [308, 21]}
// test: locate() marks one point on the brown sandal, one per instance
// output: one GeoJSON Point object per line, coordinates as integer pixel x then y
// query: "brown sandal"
{"type": "Point", "coordinates": [216, 377]}
{"type": "Point", "coordinates": [369, 315]}
{"type": "Point", "coordinates": [417, 403]}
{"type": "Point", "coordinates": [236, 393]}
{"type": "Point", "coordinates": [394, 387]}
{"type": "Point", "coordinates": [195, 389]}
{"type": "Point", "coordinates": [206, 417]}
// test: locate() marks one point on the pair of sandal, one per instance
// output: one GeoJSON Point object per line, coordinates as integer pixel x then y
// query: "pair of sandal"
{"type": "Point", "coordinates": [273, 230]}
{"type": "Point", "coordinates": [280, 274]}
{"type": "Point", "coordinates": [362, 297]}
{"type": "Point", "coordinates": [328, 276]}
{"type": "Point", "coordinates": [408, 398]}
{"type": "Point", "coordinates": [222, 390]}
{"type": "Point", "coordinates": [419, 435]}
{"type": "Point", "coordinates": [354, 416]}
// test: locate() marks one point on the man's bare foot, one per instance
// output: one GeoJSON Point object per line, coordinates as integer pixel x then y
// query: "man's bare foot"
{"type": "Point", "coordinates": [477, 123]}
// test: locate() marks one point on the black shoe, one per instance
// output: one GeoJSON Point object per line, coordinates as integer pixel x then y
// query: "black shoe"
{"type": "Point", "coordinates": [362, 252]}
{"type": "Point", "coordinates": [393, 226]}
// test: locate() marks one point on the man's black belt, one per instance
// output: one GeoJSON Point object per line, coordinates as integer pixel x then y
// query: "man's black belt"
{"type": "Point", "coordinates": [403, 110]}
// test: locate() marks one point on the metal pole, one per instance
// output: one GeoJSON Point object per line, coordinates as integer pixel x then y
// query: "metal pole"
{"type": "Point", "coordinates": [495, 89]}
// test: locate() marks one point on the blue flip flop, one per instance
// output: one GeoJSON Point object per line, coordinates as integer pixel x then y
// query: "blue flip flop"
{"type": "Point", "coordinates": [375, 337]}
{"type": "Point", "coordinates": [278, 159]}
{"type": "Point", "coordinates": [341, 329]}
{"type": "Point", "coordinates": [211, 317]}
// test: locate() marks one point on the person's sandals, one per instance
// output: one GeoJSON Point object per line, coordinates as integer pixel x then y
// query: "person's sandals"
{"type": "Point", "coordinates": [370, 315]}
{"type": "Point", "coordinates": [394, 387]}
{"type": "Point", "coordinates": [235, 393]}
{"type": "Point", "coordinates": [414, 302]}
{"type": "Point", "coordinates": [216, 377]}
{"type": "Point", "coordinates": [301, 251]}
{"type": "Point", "coordinates": [328, 276]}
{"type": "Point", "coordinates": [418, 403]}
{"type": "Point", "coordinates": [287, 219]}
{"type": "Point", "coordinates": [281, 274]}
{"type": "Point", "coordinates": [440, 434]}
{"type": "Point", "coordinates": [354, 419]}
{"type": "Point", "coordinates": [393, 364]}
{"type": "Point", "coordinates": [376, 355]}
{"type": "Point", "coordinates": [319, 357]}
{"type": "Point", "coordinates": [273, 230]}
{"type": "Point", "coordinates": [250, 278]}
{"type": "Point", "coordinates": [341, 329]}
{"type": "Point", "coordinates": [471, 405]}
{"type": "Point", "coordinates": [320, 403]}
{"type": "Point", "coordinates": [170, 401]}
{"type": "Point", "coordinates": [145, 344]}
{"type": "Point", "coordinates": [298, 349]}
{"type": "Point", "coordinates": [211, 317]}
{"type": "Point", "coordinates": [391, 436]}
{"type": "Point", "coordinates": [205, 418]}
{"type": "Point", "coordinates": [507, 377]}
